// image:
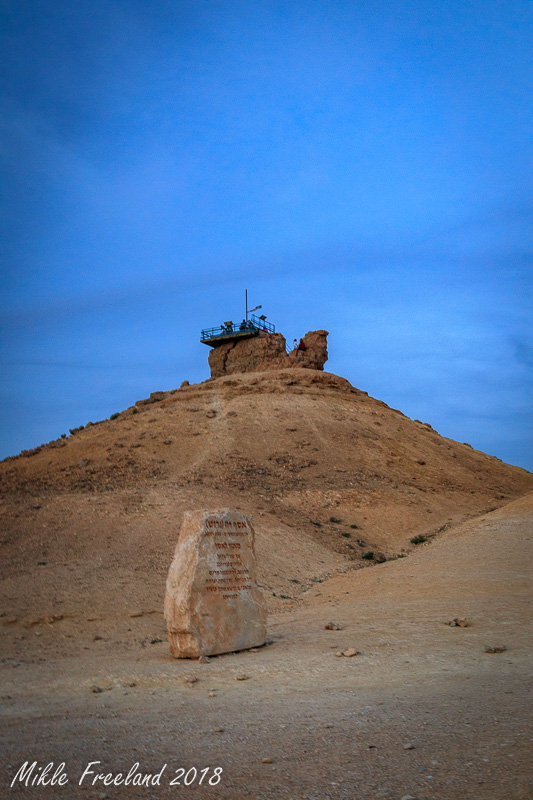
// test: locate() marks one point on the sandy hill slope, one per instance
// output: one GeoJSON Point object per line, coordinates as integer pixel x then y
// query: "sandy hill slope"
{"type": "Point", "coordinates": [328, 473]}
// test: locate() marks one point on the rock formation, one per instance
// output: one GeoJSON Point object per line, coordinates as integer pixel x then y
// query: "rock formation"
{"type": "Point", "coordinates": [268, 351]}
{"type": "Point", "coordinates": [315, 354]}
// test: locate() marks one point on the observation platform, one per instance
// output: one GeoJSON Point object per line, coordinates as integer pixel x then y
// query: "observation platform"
{"type": "Point", "coordinates": [229, 332]}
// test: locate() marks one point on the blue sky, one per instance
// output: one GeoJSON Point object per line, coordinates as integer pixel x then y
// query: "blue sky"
{"type": "Point", "coordinates": [357, 166]}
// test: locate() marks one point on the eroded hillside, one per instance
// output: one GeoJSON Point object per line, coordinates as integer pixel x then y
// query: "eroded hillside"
{"type": "Point", "coordinates": [328, 474]}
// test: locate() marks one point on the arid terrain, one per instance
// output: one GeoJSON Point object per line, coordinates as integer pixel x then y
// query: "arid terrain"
{"type": "Point", "coordinates": [335, 482]}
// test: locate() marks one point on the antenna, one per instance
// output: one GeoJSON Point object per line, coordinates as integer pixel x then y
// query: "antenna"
{"type": "Point", "coordinates": [252, 309]}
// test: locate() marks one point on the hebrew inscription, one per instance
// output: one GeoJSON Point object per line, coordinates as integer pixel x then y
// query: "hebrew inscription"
{"type": "Point", "coordinates": [213, 604]}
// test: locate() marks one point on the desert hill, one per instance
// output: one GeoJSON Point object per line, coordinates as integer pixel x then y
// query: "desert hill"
{"type": "Point", "coordinates": [328, 473]}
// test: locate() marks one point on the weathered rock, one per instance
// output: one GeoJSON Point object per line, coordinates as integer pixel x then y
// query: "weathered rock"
{"type": "Point", "coordinates": [315, 354]}
{"type": "Point", "coordinates": [212, 602]}
{"type": "Point", "coordinates": [457, 622]}
{"type": "Point", "coordinates": [267, 351]}
{"type": "Point", "coordinates": [379, 557]}
{"type": "Point", "coordinates": [262, 352]}
{"type": "Point", "coordinates": [350, 652]}
{"type": "Point", "coordinates": [496, 648]}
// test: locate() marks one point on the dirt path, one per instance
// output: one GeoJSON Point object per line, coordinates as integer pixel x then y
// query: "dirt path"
{"type": "Point", "coordinates": [328, 726]}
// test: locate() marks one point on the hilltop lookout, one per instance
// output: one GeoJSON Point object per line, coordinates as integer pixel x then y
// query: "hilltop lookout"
{"type": "Point", "coordinates": [257, 347]}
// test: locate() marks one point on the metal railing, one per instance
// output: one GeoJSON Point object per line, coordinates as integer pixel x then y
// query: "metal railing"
{"type": "Point", "coordinates": [253, 326]}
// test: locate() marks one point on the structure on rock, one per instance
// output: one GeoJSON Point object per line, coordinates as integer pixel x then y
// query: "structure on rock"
{"type": "Point", "coordinates": [256, 347]}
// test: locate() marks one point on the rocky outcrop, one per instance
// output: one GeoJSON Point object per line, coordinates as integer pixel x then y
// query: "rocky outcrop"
{"type": "Point", "coordinates": [268, 351]}
{"type": "Point", "coordinates": [315, 354]}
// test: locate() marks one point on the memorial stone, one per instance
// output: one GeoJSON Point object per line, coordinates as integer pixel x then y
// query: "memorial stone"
{"type": "Point", "coordinates": [213, 604]}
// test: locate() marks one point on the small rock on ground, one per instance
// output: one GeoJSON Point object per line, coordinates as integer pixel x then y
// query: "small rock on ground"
{"type": "Point", "coordinates": [349, 652]}
{"type": "Point", "coordinates": [457, 622]}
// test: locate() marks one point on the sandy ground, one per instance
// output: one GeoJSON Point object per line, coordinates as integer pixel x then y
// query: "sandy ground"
{"type": "Point", "coordinates": [305, 723]}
